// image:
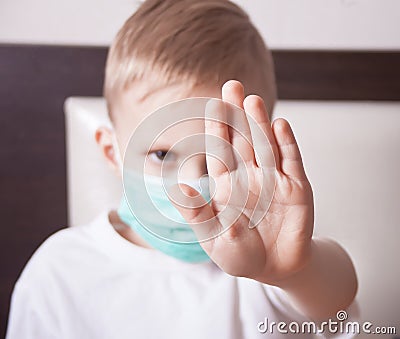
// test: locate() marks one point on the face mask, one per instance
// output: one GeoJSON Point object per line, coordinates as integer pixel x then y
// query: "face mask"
{"type": "Point", "coordinates": [152, 215]}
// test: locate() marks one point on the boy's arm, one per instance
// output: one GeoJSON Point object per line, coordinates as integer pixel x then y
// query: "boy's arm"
{"type": "Point", "coordinates": [28, 316]}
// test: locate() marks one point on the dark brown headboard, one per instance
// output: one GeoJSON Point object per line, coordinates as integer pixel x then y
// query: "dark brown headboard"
{"type": "Point", "coordinates": [34, 82]}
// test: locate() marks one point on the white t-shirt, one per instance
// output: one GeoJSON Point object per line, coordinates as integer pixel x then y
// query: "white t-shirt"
{"type": "Point", "coordinates": [89, 282]}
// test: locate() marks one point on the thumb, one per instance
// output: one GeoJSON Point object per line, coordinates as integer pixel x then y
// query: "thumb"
{"type": "Point", "coordinates": [195, 210]}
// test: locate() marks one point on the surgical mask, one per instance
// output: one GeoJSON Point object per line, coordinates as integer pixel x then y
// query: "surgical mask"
{"type": "Point", "coordinates": [152, 215]}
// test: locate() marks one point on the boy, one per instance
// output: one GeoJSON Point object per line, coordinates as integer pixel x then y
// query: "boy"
{"type": "Point", "coordinates": [107, 280]}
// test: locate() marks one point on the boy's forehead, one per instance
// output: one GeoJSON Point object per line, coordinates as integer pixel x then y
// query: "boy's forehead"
{"type": "Point", "coordinates": [138, 101]}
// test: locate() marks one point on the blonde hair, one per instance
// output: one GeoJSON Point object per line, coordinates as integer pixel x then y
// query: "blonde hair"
{"type": "Point", "coordinates": [199, 42]}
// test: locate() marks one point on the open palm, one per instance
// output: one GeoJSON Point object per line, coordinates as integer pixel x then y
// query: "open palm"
{"type": "Point", "coordinates": [255, 229]}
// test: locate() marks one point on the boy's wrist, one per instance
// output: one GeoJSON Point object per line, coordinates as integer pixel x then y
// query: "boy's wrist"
{"type": "Point", "coordinates": [296, 275]}
{"type": "Point", "coordinates": [302, 272]}
{"type": "Point", "coordinates": [325, 284]}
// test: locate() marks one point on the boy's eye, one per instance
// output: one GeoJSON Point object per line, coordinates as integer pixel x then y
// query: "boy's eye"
{"type": "Point", "coordinates": [161, 155]}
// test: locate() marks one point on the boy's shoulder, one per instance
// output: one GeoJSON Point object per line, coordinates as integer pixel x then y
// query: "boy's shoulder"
{"type": "Point", "coordinates": [65, 249]}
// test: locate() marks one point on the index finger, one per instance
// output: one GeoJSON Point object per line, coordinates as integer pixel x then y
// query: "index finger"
{"type": "Point", "coordinates": [219, 155]}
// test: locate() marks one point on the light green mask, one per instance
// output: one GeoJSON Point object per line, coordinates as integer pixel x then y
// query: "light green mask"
{"type": "Point", "coordinates": [156, 233]}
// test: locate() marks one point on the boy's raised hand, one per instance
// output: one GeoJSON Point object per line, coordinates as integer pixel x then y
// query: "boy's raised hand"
{"type": "Point", "coordinates": [280, 244]}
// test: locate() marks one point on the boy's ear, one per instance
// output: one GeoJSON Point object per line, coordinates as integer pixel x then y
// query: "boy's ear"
{"type": "Point", "coordinates": [104, 139]}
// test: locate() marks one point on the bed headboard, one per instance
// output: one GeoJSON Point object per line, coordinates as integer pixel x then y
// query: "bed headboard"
{"type": "Point", "coordinates": [35, 80]}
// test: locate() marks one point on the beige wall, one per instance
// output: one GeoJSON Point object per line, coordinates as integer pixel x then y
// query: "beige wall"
{"type": "Point", "coordinates": [287, 24]}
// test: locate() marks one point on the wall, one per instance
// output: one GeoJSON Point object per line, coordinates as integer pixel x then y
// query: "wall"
{"type": "Point", "coordinates": [286, 24]}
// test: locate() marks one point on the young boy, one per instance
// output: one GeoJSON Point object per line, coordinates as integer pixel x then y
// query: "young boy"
{"type": "Point", "coordinates": [107, 280]}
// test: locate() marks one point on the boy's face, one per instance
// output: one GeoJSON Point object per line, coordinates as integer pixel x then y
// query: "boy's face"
{"type": "Point", "coordinates": [130, 109]}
